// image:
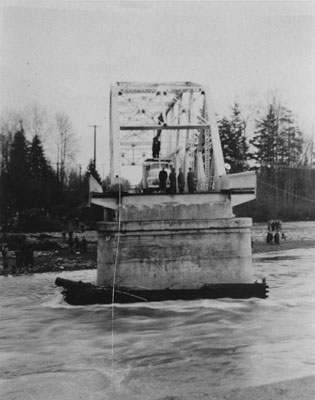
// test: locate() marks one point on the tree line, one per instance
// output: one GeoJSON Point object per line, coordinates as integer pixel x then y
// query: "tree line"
{"type": "Point", "coordinates": [282, 156]}
{"type": "Point", "coordinates": [30, 184]}
{"type": "Point", "coordinates": [271, 143]}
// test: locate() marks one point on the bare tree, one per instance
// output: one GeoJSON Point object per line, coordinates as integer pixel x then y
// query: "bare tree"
{"type": "Point", "coordinates": [10, 123]}
{"type": "Point", "coordinates": [37, 122]}
{"type": "Point", "coordinates": [66, 144]}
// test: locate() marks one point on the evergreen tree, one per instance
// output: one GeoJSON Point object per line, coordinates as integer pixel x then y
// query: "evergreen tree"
{"type": "Point", "coordinates": [91, 170]}
{"type": "Point", "coordinates": [19, 172]}
{"type": "Point", "coordinates": [43, 181]}
{"type": "Point", "coordinates": [74, 180]}
{"type": "Point", "coordinates": [265, 139]}
{"type": "Point", "coordinates": [278, 142]}
{"type": "Point", "coordinates": [290, 139]}
{"type": "Point", "coordinates": [5, 143]}
{"type": "Point", "coordinates": [277, 139]}
{"type": "Point", "coordinates": [232, 133]}
{"type": "Point", "coordinates": [39, 166]}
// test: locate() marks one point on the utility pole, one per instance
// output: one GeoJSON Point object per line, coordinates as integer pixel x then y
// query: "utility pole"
{"type": "Point", "coordinates": [94, 126]}
{"type": "Point", "coordinates": [133, 153]}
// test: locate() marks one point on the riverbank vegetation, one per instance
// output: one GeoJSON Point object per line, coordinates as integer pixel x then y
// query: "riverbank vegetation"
{"type": "Point", "coordinates": [49, 252]}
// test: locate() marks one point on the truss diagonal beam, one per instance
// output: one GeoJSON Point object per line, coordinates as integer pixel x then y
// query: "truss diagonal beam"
{"type": "Point", "coordinates": [161, 127]}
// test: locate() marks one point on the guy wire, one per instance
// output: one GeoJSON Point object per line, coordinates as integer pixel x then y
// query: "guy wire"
{"type": "Point", "coordinates": [114, 279]}
{"type": "Point", "coordinates": [287, 192]}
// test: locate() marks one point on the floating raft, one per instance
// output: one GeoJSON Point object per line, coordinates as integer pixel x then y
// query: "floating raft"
{"type": "Point", "coordinates": [81, 293]}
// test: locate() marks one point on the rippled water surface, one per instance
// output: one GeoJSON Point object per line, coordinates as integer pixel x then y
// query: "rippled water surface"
{"type": "Point", "coordinates": [50, 350]}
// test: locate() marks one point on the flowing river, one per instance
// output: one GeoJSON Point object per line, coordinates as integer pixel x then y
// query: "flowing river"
{"type": "Point", "coordinates": [182, 350]}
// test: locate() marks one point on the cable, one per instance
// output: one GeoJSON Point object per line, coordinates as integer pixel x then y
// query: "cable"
{"type": "Point", "coordinates": [114, 279]}
{"type": "Point", "coordinates": [286, 192]}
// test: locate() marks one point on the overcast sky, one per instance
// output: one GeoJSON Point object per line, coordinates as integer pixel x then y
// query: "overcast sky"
{"type": "Point", "coordinates": [65, 54]}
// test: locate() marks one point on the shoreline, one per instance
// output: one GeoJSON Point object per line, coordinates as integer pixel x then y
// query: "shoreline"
{"type": "Point", "coordinates": [262, 247]}
{"type": "Point", "coordinates": [291, 389]}
{"type": "Point", "coordinates": [65, 259]}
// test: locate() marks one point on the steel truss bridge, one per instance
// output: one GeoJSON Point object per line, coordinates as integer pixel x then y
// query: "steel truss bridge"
{"type": "Point", "coordinates": [180, 114]}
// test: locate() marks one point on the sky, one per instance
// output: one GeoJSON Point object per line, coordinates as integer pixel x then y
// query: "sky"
{"type": "Point", "coordinates": [64, 55]}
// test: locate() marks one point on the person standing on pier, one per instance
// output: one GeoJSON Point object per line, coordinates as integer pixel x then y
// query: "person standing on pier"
{"type": "Point", "coordinates": [181, 181]}
{"type": "Point", "coordinates": [172, 181]}
{"type": "Point", "coordinates": [156, 147]}
{"type": "Point", "coordinates": [163, 178]}
{"type": "Point", "coordinates": [190, 181]}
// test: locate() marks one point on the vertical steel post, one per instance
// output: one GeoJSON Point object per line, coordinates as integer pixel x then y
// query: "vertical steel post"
{"type": "Point", "coordinates": [114, 134]}
{"type": "Point", "coordinates": [94, 159]}
{"type": "Point", "coordinates": [219, 168]}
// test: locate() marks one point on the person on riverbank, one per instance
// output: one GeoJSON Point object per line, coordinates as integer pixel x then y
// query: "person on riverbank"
{"type": "Point", "coordinates": [274, 227]}
{"type": "Point", "coordinates": [5, 257]}
{"type": "Point", "coordinates": [269, 238]}
{"type": "Point", "coordinates": [84, 245]}
{"type": "Point", "coordinates": [29, 256]}
{"type": "Point", "coordinates": [70, 242]}
{"type": "Point", "coordinates": [76, 243]}
{"type": "Point", "coordinates": [70, 233]}
{"type": "Point", "coordinates": [19, 258]}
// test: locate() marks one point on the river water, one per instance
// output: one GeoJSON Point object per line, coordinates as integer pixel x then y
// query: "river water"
{"type": "Point", "coordinates": [182, 350]}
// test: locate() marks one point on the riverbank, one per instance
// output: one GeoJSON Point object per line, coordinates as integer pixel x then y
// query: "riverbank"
{"type": "Point", "coordinates": [65, 259]}
{"type": "Point", "coordinates": [262, 247]}
{"type": "Point", "coordinates": [301, 389]}
{"type": "Point", "coordinates": [53, 254]}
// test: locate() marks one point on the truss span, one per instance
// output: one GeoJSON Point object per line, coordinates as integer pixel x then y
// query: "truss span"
{"type": "Point", "coordinates": [180, 115]}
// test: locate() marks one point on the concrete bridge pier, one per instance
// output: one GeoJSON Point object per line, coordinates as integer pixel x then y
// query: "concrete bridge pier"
{"type": "Point", "coordinates": [174, 241]}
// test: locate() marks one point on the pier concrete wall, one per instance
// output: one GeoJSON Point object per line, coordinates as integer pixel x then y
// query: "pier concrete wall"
{"type": "Point", "coordinates": [175, 245]}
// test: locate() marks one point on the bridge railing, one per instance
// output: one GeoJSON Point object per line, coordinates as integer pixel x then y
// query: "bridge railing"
{"type": "Point", "coordinates": [200, 186]}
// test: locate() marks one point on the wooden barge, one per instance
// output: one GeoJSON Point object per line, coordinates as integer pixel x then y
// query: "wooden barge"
{"type": "Point", "coordinates": [81, 293]}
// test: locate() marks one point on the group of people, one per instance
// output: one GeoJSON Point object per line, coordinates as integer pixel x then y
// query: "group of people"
{"type": "Point", "coordinates": [176, 182]}
{"type": "Point", "coordinates": [79, 245]}
{"type": "Point", "coordinates": [274, 227]}
{"type": "Point", "coordinates": [74, 243]}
